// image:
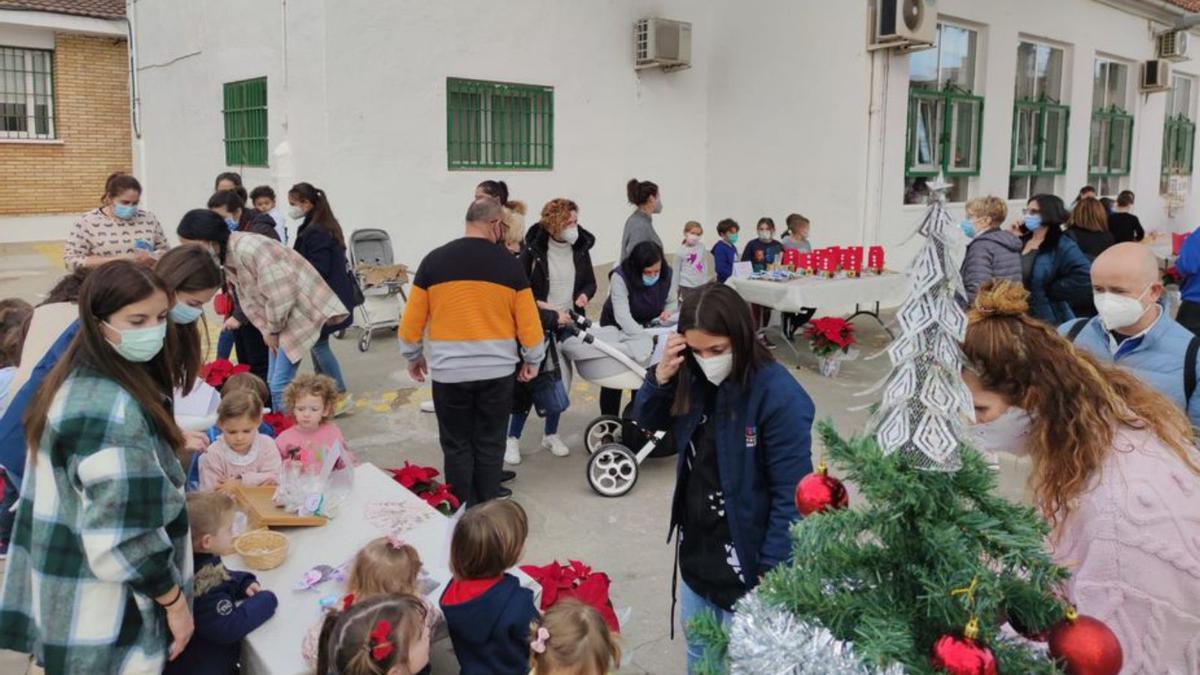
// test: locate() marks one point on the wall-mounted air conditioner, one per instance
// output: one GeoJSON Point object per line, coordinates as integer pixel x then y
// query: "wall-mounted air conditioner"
{"type": "Point", "coordinates": [662, 43]}
{"type": "Point", "coordinates": [1156, 76]}
{"type": "Point", "coordinates": [1173, 45]}
{"type": "Point", "coordinates": [907, 24]}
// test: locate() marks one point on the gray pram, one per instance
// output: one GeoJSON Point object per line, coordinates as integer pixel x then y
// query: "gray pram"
{"type": "Point", "coordinates": [381, 280]}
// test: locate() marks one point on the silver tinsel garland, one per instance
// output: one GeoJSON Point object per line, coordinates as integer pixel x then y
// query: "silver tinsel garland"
{"type": "Point", "coordinates": [768, 640]}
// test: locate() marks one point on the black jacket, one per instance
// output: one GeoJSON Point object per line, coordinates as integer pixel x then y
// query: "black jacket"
{"type": "Point", "coordinates": [1091, 243]}
{"type": "Point", "coordinates": [533, 261]}
{"type": "Point", "coordinates": [329, 258]}
{"type": "Point", "coordinates": [1125, 227]}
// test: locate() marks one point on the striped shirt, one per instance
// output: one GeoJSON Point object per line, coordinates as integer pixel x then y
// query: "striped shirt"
{"type": "Point", "coordinates": [475, 301]}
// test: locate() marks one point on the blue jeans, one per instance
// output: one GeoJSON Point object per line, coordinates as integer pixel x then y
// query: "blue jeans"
{"type": "Point", "coordinates": [280, 373]}
{"type": "Point", "coordinates": [516, 424]}
{"type": "Point", "coordinates": [325, 363]}
{"type": "Point", "coordinates": [225, 344]}
{"type": "Point", "coordinates": [691, 604]}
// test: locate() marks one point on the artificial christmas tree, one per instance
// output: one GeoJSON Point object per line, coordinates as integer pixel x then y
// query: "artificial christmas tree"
{"type": "Point", "coordinates": [922, 577]}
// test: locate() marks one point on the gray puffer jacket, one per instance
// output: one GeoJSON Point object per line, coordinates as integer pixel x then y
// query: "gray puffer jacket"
{"type": "Point", "coordinates": [995, 254]}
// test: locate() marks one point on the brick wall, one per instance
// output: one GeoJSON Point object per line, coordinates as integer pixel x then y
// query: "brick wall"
{"type": "Point", "coordinates": [91, 98]}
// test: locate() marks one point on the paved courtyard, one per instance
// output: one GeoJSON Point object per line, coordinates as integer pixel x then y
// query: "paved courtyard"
{"type": "Point", "coordinates": [624, 537]}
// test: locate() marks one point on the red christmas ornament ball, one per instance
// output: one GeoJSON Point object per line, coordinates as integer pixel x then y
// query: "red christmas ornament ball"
{"type": "Point", "coordinates": [1085, 646]}
{"type": "Point", "coordinates": [962, 656]}
{"type": "Point", "coordinates": [819, 491]}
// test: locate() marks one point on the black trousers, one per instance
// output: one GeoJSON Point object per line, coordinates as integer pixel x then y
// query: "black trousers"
{"type": "Point", "coordinates": [251, 350]}
{"type": "Point", "coordinates": [610, 400]}
{"type": "Point", "coordinates": [472, 425]}
{"type": "Point", "coordinates": [1189, 316]}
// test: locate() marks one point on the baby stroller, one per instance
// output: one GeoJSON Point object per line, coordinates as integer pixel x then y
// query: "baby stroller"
{"type": "Point", "coordinates": [617, 445]}
{"type": "Point", "coordinates": [381, 280]}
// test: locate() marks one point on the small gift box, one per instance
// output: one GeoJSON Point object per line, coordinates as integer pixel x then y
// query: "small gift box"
{"type": "Point", "coordinates": [790, 258]}
{"type": "Point", "coordinates": [805, 263]}
{"type": "Point", "coordinates": [875, 259]}
{"type": "Point", "coordinates": [852, 260]}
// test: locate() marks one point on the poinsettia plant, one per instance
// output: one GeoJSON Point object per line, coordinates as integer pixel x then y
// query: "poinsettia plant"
{"type": "Point", "coordinates": [215, 372]}
{"type": "Point", "coordinates": [420, 480]}
{"type": "Point", "coordinates": [575, 580]}
{"type": "Point", "coordinates": [829, 334]}
{"type": "Point", "coordinates": [279, 422]}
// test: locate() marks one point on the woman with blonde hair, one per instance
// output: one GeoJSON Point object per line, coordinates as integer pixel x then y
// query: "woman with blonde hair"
{"type": "Point", "coordinates": [993, 253]}
{"type": "Point", "coordinates": [1115, 472]}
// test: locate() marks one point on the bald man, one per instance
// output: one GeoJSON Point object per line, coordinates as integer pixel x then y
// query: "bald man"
{"type": "Point", "coordinates": [1132, 328]}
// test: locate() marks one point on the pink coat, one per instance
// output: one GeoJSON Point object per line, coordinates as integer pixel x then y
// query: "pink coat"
{"type": "Point", "coordinates": [261, 466]}
{"type": "Point", "coordinates": [1132, 544]}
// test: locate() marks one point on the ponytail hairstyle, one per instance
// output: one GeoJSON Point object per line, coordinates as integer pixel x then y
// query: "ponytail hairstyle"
{"type": "Point", "coordinates": [116, 184]}
{"type": "Point", "coordinates": [106, 290]}
{"type": "Point", "coordinates": [321, 214]}
{"type": "Point", "coordinates": [1076, 404]}
{"type": "Point", "coordinates": [640, 192]}
{"type": "Point", "coordinates": [15, 316]}
{"type": "Point", "coordinates": [372, 636]}
{"type": "Point", "coordinates": [718, 310]}
{"type": "Point", "coordinates": [385, 566]}
{"type": "Point", "coordinates": [496, 189]}
{"type": "Point", "coordinates": [571, 637]}
{"type": "Point", "coordinates": [189, 269]}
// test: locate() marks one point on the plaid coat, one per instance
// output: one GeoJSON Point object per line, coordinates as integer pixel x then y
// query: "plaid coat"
{"type": "Point", "coordinates": [281, 293]}
{"type": "Point", "coordinates": [101, 531]}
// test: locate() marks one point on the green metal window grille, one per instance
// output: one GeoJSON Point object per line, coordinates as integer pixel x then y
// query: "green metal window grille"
{"type": "Point", "coordinates": [26, 93]}
{"type": "Point", "coordinates": [945, 132]}
{"type": "Point", "coordinates": [1179, 142]}
{"type": "Point", "coordinates": [494, 125]}
{"type": "Point", "coordinates": [1111, 142]}
{"type": "Point", "coordinates": [1039, 137]}
{"type": "Point", "coordinates": [245, 111]}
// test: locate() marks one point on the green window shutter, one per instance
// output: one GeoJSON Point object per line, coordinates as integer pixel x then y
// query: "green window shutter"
{"type": "Point", "coordinates": [495, 125]}
{"type": "Point", "coordinates": [1053, 139]}
{"type": "Point", "coordinates": [1179, 139]}
{"type": "Point", "coordinates": [926, 130]}
{"type": "Point", "coordinates": [963, 134]}
{"type": "Point", "coordinates": [245, 115]}
{"type": "Point", "coordinates": [1111, 142]}
{"type": "Point", "coordinates": [1039, 145]}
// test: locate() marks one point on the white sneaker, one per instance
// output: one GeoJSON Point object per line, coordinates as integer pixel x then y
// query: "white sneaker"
{"type": "Point", "coordinates": [555, 445]}
{"type": "Point", "coordinates": [512, 451]}
{"type": "Point", "coordinates": [427, 406]}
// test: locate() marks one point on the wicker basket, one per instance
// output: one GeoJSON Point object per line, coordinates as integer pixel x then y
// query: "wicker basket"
{"type": "Point", "coordinates": [262, 549]}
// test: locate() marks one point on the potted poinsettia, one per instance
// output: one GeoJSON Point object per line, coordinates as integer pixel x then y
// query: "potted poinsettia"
{"type": "Point", "coordinates": [831, 338]}
{"type": "Point", "coordinates": [215, 372]}
{"type": "Point", "coordinates": [420, 480]}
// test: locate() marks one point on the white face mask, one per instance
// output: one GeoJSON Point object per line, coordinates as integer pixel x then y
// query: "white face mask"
{"type": "Point", "coordinates": [692, 239]}
{"type": "Point", "coordinates": [296, 213]}
{"type": "Point", "coordinates": [1008, 433]}
{"type": "Point", "coordinates": [716, 368]}
{"type": "Point", "coordinates": [1118, 311]}
{"type": "Point", "coordinates": [570, 235]}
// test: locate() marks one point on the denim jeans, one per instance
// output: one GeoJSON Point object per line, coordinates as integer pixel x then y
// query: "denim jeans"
{"type": "Point", "coordinates": [325, 363]}
{"type": "Point", "coordinates": [280, 373]}
{"type": "Point", "coordinates": [691, 604]}
{"type": "Point", "coordinates": [516, 424]}
{"type": "Point", "coordinates": [225, 344]}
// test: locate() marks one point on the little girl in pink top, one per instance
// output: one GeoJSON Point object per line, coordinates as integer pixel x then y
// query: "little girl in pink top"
{"type": "Point", "coordinates": [240, 454]}
{"type": "Point", "coordinates": [311, 400]}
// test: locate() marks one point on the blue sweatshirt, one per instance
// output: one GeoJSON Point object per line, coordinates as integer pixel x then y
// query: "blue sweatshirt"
{"type": "Point", "coordinates": [491, 632]}
{"type": "Point", "coordinates": [724, 255]}
{"type": "Point", "coordinates": [1188, 265]}
{"type": "Point", "coordinates": [12, 424]}
{"type": "Point", "coordinates": [223, 616]}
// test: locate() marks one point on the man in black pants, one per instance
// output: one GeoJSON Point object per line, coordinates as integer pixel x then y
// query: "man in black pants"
{"type": "Point", "coordinates": [474, 299]}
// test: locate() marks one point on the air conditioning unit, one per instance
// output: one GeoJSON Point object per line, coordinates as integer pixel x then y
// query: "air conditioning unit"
{"type": "Point", "coordinates": [662, 43]}
{"type": "Point", "coordinates": [907, 24]}
{"type": "Point", "coordinates": [1156, 76]}
{"type": "Point", "coordinates": [1173, 45]}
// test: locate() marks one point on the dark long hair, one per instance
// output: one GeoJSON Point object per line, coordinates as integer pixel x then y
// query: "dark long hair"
{"type": "Point", "coordinates": [1054, 214]}
{"type": "Point", "coordinates": [117, 183]}
{"type": "Point", "coordinates": [642, 256]}
{"type": "Point", "coordinates": [640, 191]}
{"type": "Point", "coordinates": [495, 188]}
{"type": "Point", "coordinates": [322, 213]}
{"type": "Point", "coordinates": [106, 290]}
{"type": "Point", "coordinates": [204, 225]}
{"type": "Point", "coordinates": [189, 269]}
{"type": "Point", "coordinates": [718, 309]}
{"type": "Point", "coordinates": [231, 176]}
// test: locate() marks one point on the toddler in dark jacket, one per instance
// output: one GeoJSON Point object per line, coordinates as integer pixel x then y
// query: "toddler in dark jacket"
{"type": "Point", "coordinates": [487, 611]}
{"type": "Point", "coordinates": [227, 605]}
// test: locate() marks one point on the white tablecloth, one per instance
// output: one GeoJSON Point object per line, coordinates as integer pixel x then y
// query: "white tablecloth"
{"type": "Point", "coordinates": [829, 296]}
{"type": "Point", "coordinates": [274, 649]}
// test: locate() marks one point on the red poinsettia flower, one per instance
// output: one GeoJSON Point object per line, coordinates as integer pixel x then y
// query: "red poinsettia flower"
{"type": "Point", "coordinates": [217, 371]}
{"type": "Point", "coordinates": [279, 422]}
{"type": "Point", "coordinates": [416, 478]}
{"type": "Point", "coordinates": [829, 334]}
{"type": "Point", "coordinates": [442, 499]}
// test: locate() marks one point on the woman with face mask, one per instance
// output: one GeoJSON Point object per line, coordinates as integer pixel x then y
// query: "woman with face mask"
{"type": "Point", "coordinates": [116, 230]}
{"type": "Point", "coordinates": [742, 426]}
{"type": "Point", "coordinates": [1054, 270]}
{"type": "Point", "coordinates": [992, 253]}
{"type": "Point", "coordinates": [101, 547]}
{"type": "Point", "coordinates": [639, 227]}
{"type": "Point", "coordinates": [1115, 472]}
{"type": "Point", "coordinates": [639, 294]}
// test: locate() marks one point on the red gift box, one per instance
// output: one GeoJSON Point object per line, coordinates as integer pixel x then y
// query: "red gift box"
{"type": "Point", "coordinates": [852, 260]}
{"type": "Point", "coordinates": [875, 258]}
{"type": "Point", "coordinates": [791, 257]}
{"type": "Point", "coordinates": [1177, 241]}
{"type": "Point", "coordinates": [835, 257]}
{"type": "Point", "coordinates": [806, 262]}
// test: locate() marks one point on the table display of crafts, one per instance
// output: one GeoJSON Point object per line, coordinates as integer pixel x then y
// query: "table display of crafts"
{"type": "Point", "coordinates": [316, 482]}
{"type": "Point", "coordinates": [832, 262]}
{"type": "Point", "coordinates": [832, 340]}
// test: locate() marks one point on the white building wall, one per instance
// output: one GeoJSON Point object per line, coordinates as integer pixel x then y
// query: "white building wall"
{"type": "Point", "coordinates": [785, 109]}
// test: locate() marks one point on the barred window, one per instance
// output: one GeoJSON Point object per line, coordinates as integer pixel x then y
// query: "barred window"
{"type": "Point", "coordinates": [26, 93]}
{"type": "Point", "coordinates": [495, 125]}
{"type": "Point", "coordinates": [245, 111]}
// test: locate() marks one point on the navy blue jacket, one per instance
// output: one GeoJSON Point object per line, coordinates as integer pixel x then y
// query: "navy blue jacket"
{"type": "Point", "coordinates": [1060, 275]}
{"type": "Point", "coordinates": [12, 424]}
{"type": "Point", "coordinates": [223, 616]}
{"type": "Point", "coordinates": [491, 633]}
{"type": "Point", "coordinates": [329, 258]}
{"type": "Point", "coordinates": [1188, 265]}
{"type": "Point", "coordinates": [724, 255]}
{"type": "Point", "coordinates": [764, 441]}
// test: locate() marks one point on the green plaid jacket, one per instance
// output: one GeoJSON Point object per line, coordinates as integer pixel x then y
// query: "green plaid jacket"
{"type": "Point", "coordinates": [101, 530]}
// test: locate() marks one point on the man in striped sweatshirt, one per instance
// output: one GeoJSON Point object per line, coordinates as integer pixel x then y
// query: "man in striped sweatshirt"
{"type": "Point", "coordinates": [483, 326]}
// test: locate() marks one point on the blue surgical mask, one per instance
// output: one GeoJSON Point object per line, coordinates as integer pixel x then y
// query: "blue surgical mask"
{"type": "Point", "coordinates": [650, 279]}
{"type": "Point", "coordinates": [1033, 221]}
{"type": "Point", "coordinates": [231, 224]}
{"type": "Point", "coordinates": [185, 313]}
{"type": "Point", "coordinates": [968, 228]}
{"type": "Point", "coordinates": [124, 211]}
{"type": "Point", "coordinates": [139, 345]}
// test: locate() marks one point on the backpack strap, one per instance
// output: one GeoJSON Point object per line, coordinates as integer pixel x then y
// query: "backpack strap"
{"type": "Point", "coordinates": [1189, 369]}
{"type": "Point", "coordinates": [1076, 329]}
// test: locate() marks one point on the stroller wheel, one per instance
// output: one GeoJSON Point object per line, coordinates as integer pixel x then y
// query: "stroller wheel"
{"type": "Point", "coordinates": [602, 431]}
{"type": "Point", "coordinates": [340, 334]}
{"type": "Point", "coordinates": [612, 470]}
{"type": "Point", "coordinates": [364, 342]}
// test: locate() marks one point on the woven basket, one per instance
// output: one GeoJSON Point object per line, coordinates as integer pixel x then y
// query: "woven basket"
{"type": "Point", "coordinates": [262, 549]}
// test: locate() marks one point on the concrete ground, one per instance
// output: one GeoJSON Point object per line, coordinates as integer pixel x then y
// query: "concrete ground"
{"type": "Point", "coordinates": [624, 537]}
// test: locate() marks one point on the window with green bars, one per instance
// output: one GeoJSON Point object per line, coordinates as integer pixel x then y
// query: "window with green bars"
{"type": "Point", "coordinates": [245, 111]}
{"type": "Point", "coordinates": [1111, 142]}
{"type": "Point", "coordinates": [495, 125]}
{"type": "Point", "coordinates": [945, 130]}
{"type": "Point", "coordinates": [1179, 131]}
{"type": "Point", "coordinates": [26, 93]}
